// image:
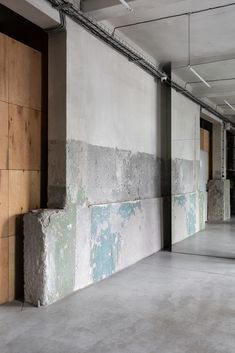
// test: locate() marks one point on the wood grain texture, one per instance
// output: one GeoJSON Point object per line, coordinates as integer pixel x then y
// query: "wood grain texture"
{"type": "Point", "coordinates": [24, 138]}
{"type": "Point", "coordinates": [24, 75]}
{"type": "Point", "coordinates": [204, 140]}
{"type": "Point", "coordinates": [20, 155]}
{"type": "Point", "coordinates": [4, 270]}
{"type": "Point", "coordinates": [26, 185]}
{"type": "Point", "coordinates": [3, 67]}
{"type": "Point", "coordinates": [4, 203]}
{"type": "Point", "coordinates": [3, 135]}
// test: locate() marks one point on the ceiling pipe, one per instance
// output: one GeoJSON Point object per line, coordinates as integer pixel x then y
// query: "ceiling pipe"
{"type": "Point", "coordinates": [215, 80]}
{"type": "Point", "coordinates": [204, 63]}
{"type": "Point", "coordinates": [122, 47]}
{"type": "Point", "coordinates": [174, 16]}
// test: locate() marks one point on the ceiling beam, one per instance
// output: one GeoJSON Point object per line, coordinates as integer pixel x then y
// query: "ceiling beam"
{"type": "Point", "coordinates": [216, 94]}
{"type": "Point", "coordinates": [95, 5]}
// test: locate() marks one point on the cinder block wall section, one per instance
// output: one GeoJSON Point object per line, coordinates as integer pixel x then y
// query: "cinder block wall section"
{"type": "Point", "coordinates": [113, 212]}
{"type": "Point", "coordinates": [187, 199]}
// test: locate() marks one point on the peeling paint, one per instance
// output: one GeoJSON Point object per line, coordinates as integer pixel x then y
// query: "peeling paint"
{"type": "Point", "coordinates": [127, 209]}
{"type": "Point", "coordinates": [186, 205]}
{"type": "Point", "coordinates": [191, 215]}
{"type": "Point", "coordinates": [105, 243]}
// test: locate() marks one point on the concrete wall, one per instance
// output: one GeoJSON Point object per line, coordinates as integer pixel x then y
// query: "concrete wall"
{"type": "Point", "coordinates": [187, 199]}
{"type": "Point", "coordinates": [111, 191]}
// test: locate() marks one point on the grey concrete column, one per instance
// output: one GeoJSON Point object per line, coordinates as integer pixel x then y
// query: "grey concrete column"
{"type": "Point", "coordinates": [218, 200]}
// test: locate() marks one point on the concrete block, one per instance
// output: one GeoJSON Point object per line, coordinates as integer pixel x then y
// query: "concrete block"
{"type": "Point", "coordinates": [219, 200]}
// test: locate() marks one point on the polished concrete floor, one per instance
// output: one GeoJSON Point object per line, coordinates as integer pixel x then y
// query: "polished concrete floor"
{"type": "Point", "coordinates": [167, 303]}
{"type": "Point", "coordinates": [218, 239]}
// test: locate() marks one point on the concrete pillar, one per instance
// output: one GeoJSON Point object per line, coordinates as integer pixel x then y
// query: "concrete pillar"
{"type": "Point", "coordinates": [218, 200]}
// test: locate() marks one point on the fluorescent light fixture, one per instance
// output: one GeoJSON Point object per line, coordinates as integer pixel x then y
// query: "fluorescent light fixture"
{"type": "Point", "coordinates": [199, 76]}
{"type": "Point", "coordinates": [230, 105]}
{"type": "Point", "coordinates": [127, 6]}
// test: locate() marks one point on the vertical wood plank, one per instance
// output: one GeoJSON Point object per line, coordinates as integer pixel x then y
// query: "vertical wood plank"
{"type": "Point", "coordinates": [3, 67]}
{"type": "Point", "coordinates": [3, 134]}
{"type": "Point", "coordinates": [4, 203]}
{"type": "Point", "coordinates": [24, 75]}
{"type": "Point", "coordinates": [24, 138]}
{"type": "Point", "coordinates": [4, 270]}
{"type": "Point", "coordinates": [202, 139]}
{"type": "Point", "coordinates": [26, 185]}
{"type": "Point", "coordinates": [206, 141]}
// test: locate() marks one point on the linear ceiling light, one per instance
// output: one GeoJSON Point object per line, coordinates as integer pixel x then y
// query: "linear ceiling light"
{"type": "Point", "coordinates": [230, 105]}
{"type": "Point", "coordinates": [126, 5]}
{"type": "Point", "coordinates": [189, 54]}
{"type": "Point", "coordinates": [199, 76]}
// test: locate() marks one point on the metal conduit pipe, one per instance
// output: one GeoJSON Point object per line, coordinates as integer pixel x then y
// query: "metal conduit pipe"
{"type": "Point", "coordinates": [175, 16]}
{"type": "Point", "coordinates": [122, 47]}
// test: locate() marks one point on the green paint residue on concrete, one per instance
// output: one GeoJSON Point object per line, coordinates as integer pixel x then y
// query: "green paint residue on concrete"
{"type": "Point", "coordinates": [128, 209]}
{"type": "Point", "coordinates": [188, 203]}
{"type": "Point", "coordinates": [81, 195]}
{"type": "Point", "coordinates": [61, 235]}
{"type": "Point", "coordinates": [180, 200]}
{"type": "Point", "coordinates": [191, 214]}
{"type": "Point", "coordinates": [201, 201]}
{"type": "Point", "coordinates": [105, 244]}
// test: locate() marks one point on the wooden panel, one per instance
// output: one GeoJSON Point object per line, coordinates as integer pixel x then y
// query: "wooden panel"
{"type": "Point", "coordinates": [24, 138]}
{"type": "Point", "coordinates": [24, 75]}
{"type": "Point", "coordinates": [3, 68]}
{"type": "Point", "coordinates": [3, 135]}
{"type": "Point", "coordinates": [204, 140]}
{"type": "Point", "coordinates": [4, 270]}
{"type": "Point", "coordinates": [3, 203]}
{"type": "Point", "coordinates": [26, 185]}
{"type": "Point", "coordinates": [11, 268]}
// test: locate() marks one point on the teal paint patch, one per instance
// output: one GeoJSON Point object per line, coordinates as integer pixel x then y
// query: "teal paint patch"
{"type": "Point", "coordinates": [105, 243]}
{"type": "Point", "coordinates": [180, 200]}
{"type": "Point", "coordinates": [191, 215]}
{"type": "Point", "coordinates": [128, 209]}
{"type": "Point", "coordinates": [201, 201]}
{"type": "Point", "coordinates": [188, 203]}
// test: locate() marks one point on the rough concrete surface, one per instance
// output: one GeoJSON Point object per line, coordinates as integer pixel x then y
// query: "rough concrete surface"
{"type": "Point", "coordinates": [218, 200]}
{"type": "Point", "coordinates": [112, 219]}
{"type": "Point", "coordinates": [184, 176]}
{"type": "Point", "coordinates": [112, 175]}
{"type": "Point", "coordinates": [167, 303]}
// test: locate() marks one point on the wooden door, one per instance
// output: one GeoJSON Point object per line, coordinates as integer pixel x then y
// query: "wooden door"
{"type": "Point", "coordinates": [20, 153]}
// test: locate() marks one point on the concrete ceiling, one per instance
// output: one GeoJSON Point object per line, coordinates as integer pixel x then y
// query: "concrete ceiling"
{"type": "Point", "coordinates": [212, 40]}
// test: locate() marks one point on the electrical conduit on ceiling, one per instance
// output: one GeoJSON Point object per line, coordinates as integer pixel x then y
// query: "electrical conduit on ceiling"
{"type": "Point", "coordinates": [103, 33]}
